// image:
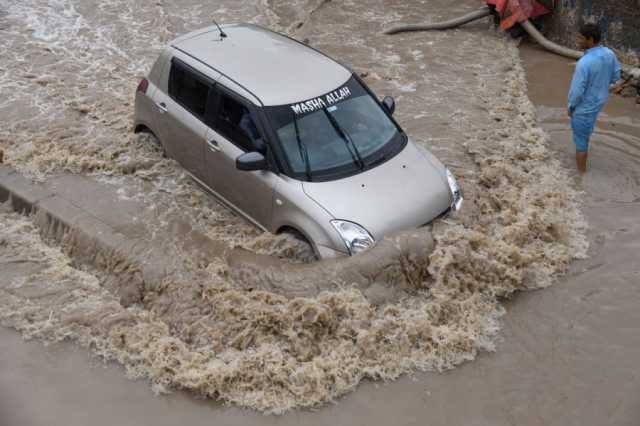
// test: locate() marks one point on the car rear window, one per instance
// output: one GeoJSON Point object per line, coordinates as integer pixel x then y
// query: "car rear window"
{"type": "Point", "coordinates": [188, 89]}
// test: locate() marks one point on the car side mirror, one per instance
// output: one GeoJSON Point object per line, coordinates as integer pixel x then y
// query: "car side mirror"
{"type": "Point", "coordinates": [251, 162]}
{"type": "Point", "coordinates": [389, 104]}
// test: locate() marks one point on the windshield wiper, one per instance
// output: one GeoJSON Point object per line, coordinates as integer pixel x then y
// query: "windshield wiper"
{"type": "Point", "coordinates": [303, 149]}
{"type": "Point", "coordinates": [357, 158]}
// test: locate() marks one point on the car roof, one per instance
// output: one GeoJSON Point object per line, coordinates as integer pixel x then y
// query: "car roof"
{"type": "Point", "coordinates": [274, 68]}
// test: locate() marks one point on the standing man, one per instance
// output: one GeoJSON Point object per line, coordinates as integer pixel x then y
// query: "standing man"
{"type": "Point", "coordinates": [595, 72]}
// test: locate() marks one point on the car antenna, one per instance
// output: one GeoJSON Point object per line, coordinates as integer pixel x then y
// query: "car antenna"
{"type": "Point", "coordinates": [222, 33]}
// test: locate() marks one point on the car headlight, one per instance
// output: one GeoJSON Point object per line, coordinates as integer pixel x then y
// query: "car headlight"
{"type": "Point", "coordinates": [456, 191]}
{"type": "Point", "coordinates": [355, 237]}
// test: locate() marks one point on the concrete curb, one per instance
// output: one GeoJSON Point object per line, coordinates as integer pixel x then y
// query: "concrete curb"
{"type": "Point", "coordinates": [77, 213]}
{"type": "Point", "coordinates": [87, 239]}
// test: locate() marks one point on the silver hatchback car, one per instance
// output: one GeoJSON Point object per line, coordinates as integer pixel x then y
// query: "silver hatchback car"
{"type": "Point", "coordinates": [290, 139]}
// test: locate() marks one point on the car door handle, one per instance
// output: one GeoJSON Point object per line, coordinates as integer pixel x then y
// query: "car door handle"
{"type": "Point", "coordinates": [162, 107]}
{"type": "Point", "coordinates": [213, 145]}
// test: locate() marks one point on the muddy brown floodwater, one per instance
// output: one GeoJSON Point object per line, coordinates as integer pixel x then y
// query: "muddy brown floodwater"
{"type": "Point", "coordinates": [68, 72]}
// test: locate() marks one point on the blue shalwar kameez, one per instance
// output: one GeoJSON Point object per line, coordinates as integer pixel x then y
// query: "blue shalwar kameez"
{"type": "Point", "coordinates": [595, 72]}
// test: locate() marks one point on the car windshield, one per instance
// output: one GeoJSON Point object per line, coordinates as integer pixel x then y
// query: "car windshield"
{"type": "Point", "coordinates": [335, 135]}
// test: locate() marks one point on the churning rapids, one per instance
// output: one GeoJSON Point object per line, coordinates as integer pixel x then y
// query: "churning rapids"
{"type": "Point", "coordinates": [68, 71]}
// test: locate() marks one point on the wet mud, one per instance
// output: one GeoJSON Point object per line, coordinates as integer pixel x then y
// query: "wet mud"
{"type": "Point", "coordinates": [460, 93]}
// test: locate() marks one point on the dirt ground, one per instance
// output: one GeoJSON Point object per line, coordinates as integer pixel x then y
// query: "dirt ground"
{"type": "Point", "coordinates": [568, 352]}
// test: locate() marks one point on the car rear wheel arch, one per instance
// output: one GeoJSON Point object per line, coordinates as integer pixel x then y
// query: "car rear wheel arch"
{"type": "Point", "coordinates": [143, 128]}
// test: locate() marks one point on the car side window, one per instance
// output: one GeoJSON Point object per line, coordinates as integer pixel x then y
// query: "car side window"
{"type": "Point", "coordinates": [234, 122]}
{"type": "Point", "coordinates": [188, 89]}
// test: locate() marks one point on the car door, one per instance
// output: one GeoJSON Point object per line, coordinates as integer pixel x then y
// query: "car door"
{"type": "Point", "coordinates": [181, 116]}
{"type": "Point", "coordinates": [234, 132]}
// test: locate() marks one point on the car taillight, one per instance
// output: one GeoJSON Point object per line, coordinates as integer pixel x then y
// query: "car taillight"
{"type": "Point", "coordinates": [143, 86]}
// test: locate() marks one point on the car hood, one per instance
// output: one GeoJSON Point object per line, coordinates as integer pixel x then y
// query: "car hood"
{"type": "Point", "coordinates": [405, 192]}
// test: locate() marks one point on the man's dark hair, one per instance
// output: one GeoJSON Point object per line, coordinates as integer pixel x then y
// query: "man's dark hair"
{"type": "Point", "coordinates": [591, 31]}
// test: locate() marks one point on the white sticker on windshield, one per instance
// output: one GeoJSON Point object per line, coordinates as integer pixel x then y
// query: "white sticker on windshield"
{"type": "Point", "coordinates": [322, 102]}
{"type": "Point", "coordinates": [332, 109]}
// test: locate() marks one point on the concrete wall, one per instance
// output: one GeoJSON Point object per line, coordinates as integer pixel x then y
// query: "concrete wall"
{"type": "Point", "coordinates": [620, 20]}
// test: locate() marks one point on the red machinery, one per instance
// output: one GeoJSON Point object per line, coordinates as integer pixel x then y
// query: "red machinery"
{"type": "Point", "coordinates": [512, 12]}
